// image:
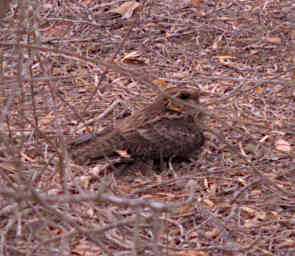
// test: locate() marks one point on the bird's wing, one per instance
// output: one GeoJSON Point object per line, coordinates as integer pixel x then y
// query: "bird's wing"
{"type": "Point", "coordinates": [159, 138]}
{"type": "Point", "coordinates": [81, 139]}
{"type": "Point", "coordinates": [163, 138]}
{"type": "Point", "coordinates": [85, 138]}
{"type": "Point", "coordinates": [92, 147]}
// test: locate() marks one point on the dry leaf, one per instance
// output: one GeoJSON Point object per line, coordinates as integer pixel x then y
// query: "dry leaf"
{"type": "Point", "coordinates": [83, 247]}
{"type": "Point", "coordinates": [193, 253]}
{"type": "Point", "coordinates": [123, 153]}
{"type": "Point", "coordinates": [249, 224]}
{"type": "Point", "coordinates": [196, 3]}
{"type": "Point", "coordinates": [255, 192]}
{"type": "Point", "coordinates": [58, 30]}
{"type": "Point", "coordinates": [127, 9]}
{"type": "Point", "coordinates": [287, 243]}
{"type": "Point", "coordinates": [249, 210]}
{"type": "Point", "coordinates": [97, 169]}
{"type": "Point", "coordinates": [8, 167]}
{"type": "Point", "coordinates": [209, 202]}
{"type": "Point", "coordinates": [185, 208]}
{"type": "Point", "coordinates": [274, 40]}
{"type": "Point", "coordinates": [126, 189]}
{"type": "Point", "coordinates": [226, 60]}
{"type": "Point", "coordinates": [200, 13]}
{"type": "Point", "coordinates": [218, 42]}
{"type": "Point", "coordinates": [179, 75]}
{"type": "Point", "coordinates": [261, 215]}
{"type": "Point", "coordinates": [273, 216]}
{"type": "Point", "coordinates": [253, 52]}
{"type": "Point", "coordinates": [211, 234]}
{"type": "Point", "coordinates": [242, 181]}
{"type": "Point", "coordinates": [91, 212]}
{"type": "Point", "coordinates": [225, 18]}
{"type": "Point", "coordinates": [53, 192]}
{"type": "Point", "coordinates": [134, 58]}
{"type": "Point", "coordinates": [191, 185]}
{"type": "Point", "coordinates": [26, 157]}
{"type": "Point", "coordinates": [283, 145]}
{"type": "Point", "coordinates": [85, 181]}
{"type": "Point", "coordinates": [264, 138]}
{"type": "Point", "coordinates": [4, 7]}
{"type": "Point", "coordinates": [258, 90]}
{"type": "Point", "coordinates": [223, 205]}
{"type": "Point", "coordinates": [47, 119]}
{"type": "Point", "coordinates": [160, 82]}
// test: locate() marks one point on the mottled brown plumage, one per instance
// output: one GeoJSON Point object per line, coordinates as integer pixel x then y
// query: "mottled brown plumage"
{"type": "Point", "coordinates": [165, 129]}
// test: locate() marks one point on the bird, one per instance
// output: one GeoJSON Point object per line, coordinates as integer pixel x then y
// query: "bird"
{"type": "Point", "coordinates": [168, 128]}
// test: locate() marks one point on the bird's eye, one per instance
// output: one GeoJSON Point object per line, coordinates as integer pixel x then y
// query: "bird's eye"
{"type": "Point", "coordinates": [183, 95]}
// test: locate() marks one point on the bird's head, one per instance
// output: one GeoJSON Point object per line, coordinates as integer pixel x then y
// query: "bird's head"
{"type": "Point", "coordinates": [181, 99]}
{"type": "Point", "coordinates": [173, 102]}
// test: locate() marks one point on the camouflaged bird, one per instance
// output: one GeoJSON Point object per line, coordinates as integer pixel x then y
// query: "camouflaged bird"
{"type": "Point", "coordinates": [165, 129]}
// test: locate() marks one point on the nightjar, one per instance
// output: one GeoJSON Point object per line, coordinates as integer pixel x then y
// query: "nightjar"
{"type": "Point", "coordinates": [165, 129]}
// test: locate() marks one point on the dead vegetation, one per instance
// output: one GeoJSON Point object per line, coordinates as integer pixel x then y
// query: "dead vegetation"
{"type": "Point", "coordinates": [72, 66]}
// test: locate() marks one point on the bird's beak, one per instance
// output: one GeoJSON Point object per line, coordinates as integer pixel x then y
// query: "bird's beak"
{"type": "Point", "coordinates": [174, 107]}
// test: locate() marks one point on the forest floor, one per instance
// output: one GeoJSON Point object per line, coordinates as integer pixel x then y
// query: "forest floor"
{"type": "Point", "coordinates": [68, 67]}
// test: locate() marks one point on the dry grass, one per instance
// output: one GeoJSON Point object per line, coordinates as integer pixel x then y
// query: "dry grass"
{"type": "Point", "coordinates": [62, 67]}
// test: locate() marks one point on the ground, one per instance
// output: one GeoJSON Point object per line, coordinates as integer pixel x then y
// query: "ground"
{"type": "Point", "coordinates": [72, 66]}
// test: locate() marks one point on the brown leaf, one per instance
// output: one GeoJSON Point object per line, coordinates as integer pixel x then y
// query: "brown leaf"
{"type": "Point", "coordinates": [274, 40]}
{"type": "Point", "coordinates": [179, 75]}
{"type": "Point", "coordinates": [123, 153]}
{"type": "Point", "coordinates": [160, 82]}
{"type": "Point", "coordinates": [134, 58]}
{"type": "Point", "coordinates": [211, 234]}
{"type": "Point", "coordinates": [218, 42]}
{"type": "Point", "coordinates": [258, 89]}
{"type": "Point", "coordinates": [127, 9]}
{"type": "Point", "coordinates": [196, 3]}
{"type": "Point", "coordinates": [193, 253]}
{"type": "Point", "coordinates": [250, 224]}
{"type": "Point", "coordinates": [283, 145]}
{"type": "Point", "coordinates": [209, 203]}
{"type": "Point", "coordinates": [226, 60]}
{"type": "Point", "coordinates": [85, 181]}
{"type": "Point", "coordinates": [288, 243]}
{"type": "Point", "coordinates": [4, 6]}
